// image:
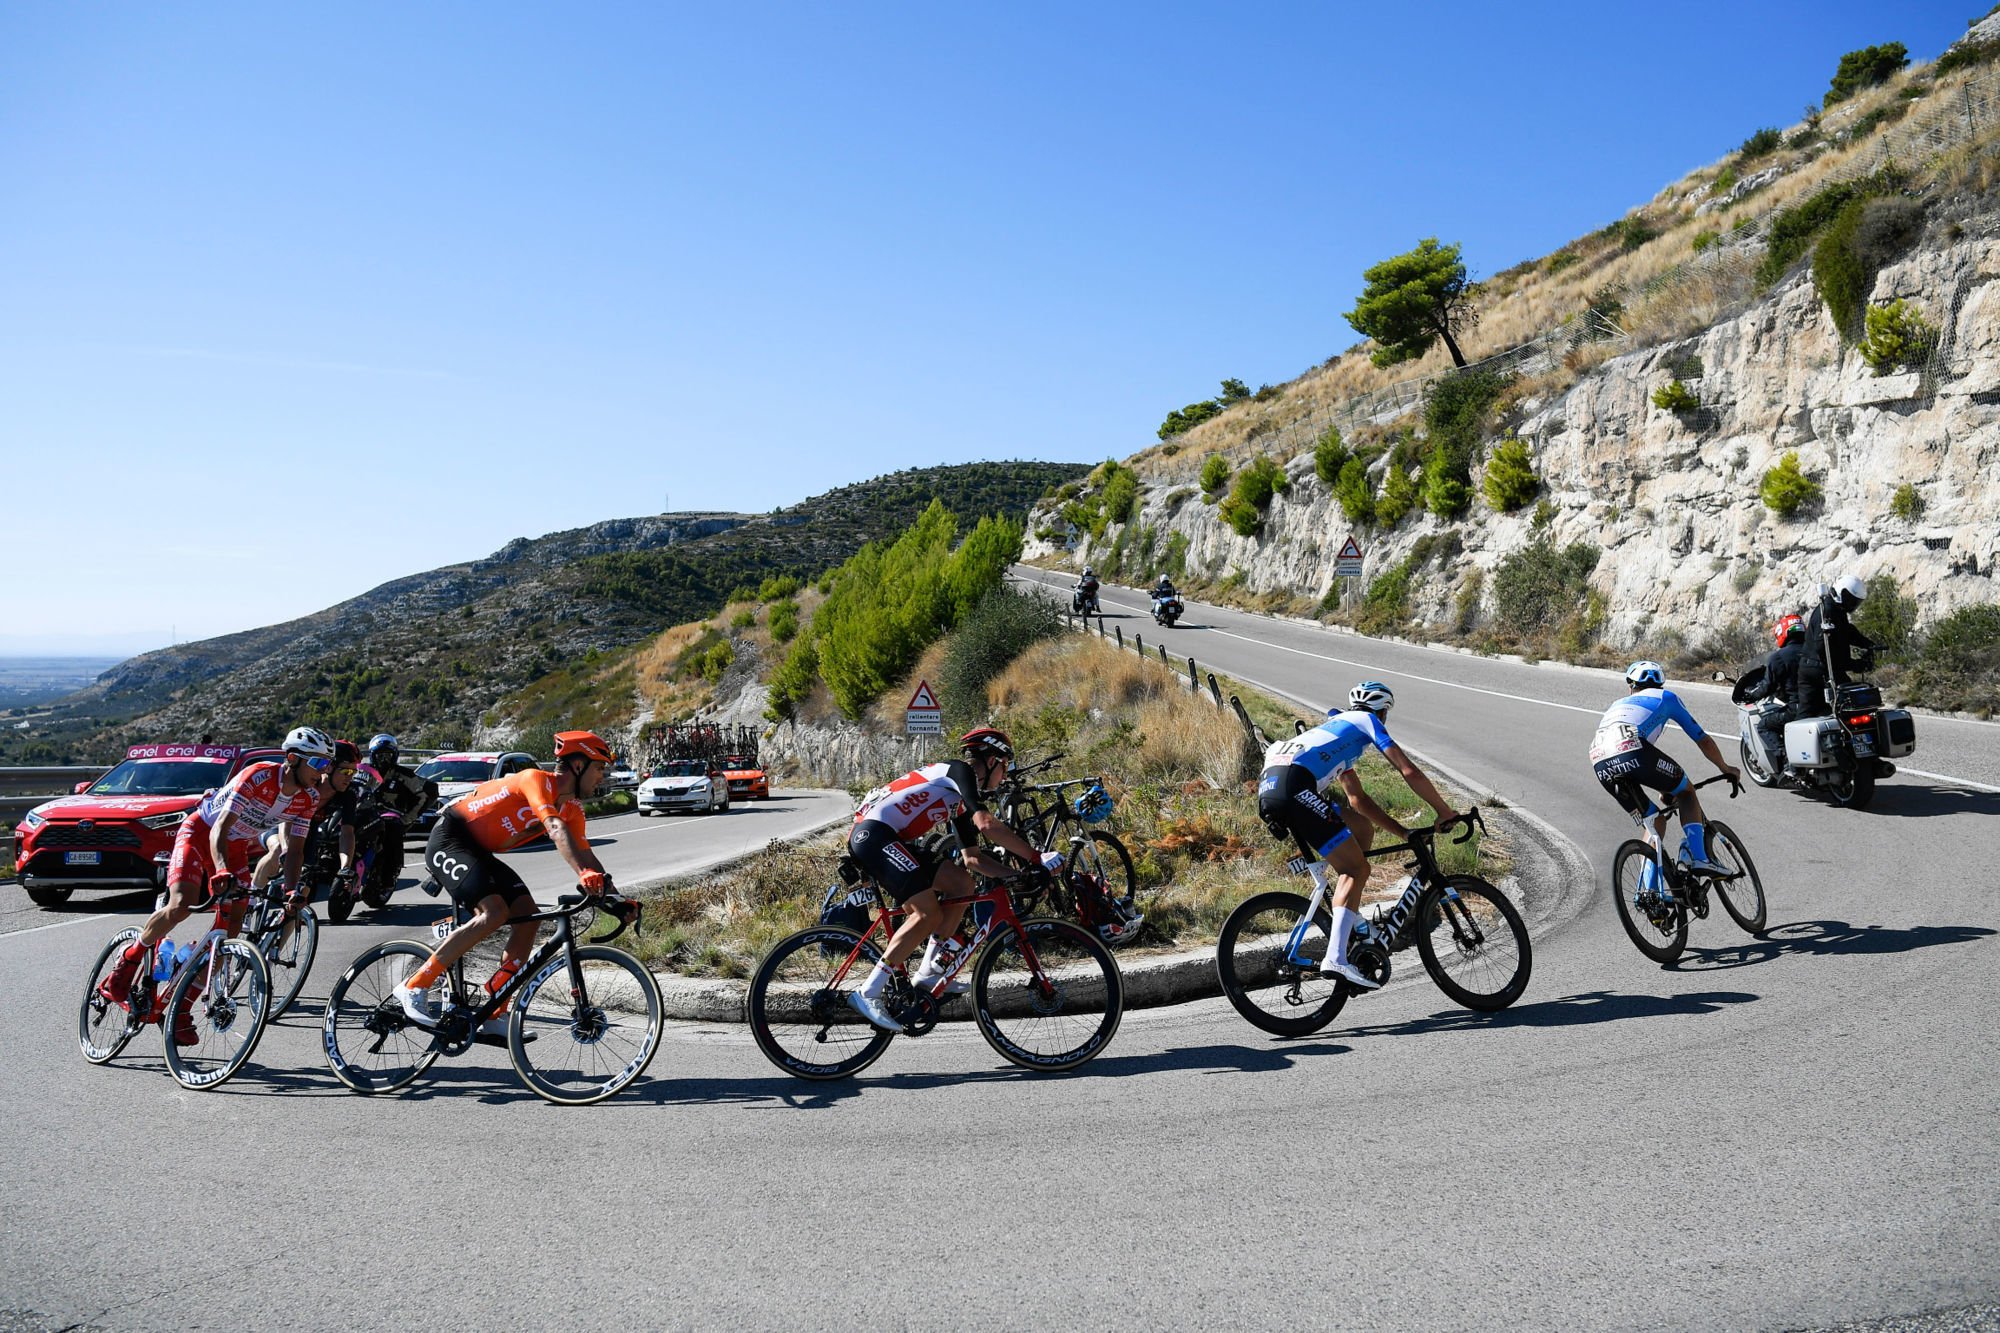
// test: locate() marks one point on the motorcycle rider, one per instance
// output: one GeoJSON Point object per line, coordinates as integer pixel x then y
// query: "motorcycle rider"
{"type": "Point", "coordinates": [397, 788]}
{"type": "Point", "coordinates": [1781, 674]}
{"type": "Point", "coordinates": [1830, 631]}
{"type": "Point", "coordinates": [1624, 759]}
{"type": "Point", "coordinates": [1085, 597]}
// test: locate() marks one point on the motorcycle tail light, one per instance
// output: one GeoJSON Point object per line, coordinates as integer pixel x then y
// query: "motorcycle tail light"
{"type": "Point", "coordinates": [1861, 720]}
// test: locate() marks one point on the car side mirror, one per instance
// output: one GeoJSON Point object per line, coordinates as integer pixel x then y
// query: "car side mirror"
{"type": "Point", "coordinates": [82, 787]}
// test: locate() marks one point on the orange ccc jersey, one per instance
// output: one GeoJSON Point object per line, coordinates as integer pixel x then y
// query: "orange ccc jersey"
{"type": "Point", "coordinates": [506, 812]}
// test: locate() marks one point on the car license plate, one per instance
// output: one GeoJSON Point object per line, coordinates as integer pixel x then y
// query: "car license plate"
{"type": "Point", "coordinates": [83, 858]}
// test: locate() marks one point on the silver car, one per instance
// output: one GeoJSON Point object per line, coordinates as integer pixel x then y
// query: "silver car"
{"type": "Point", "coordinates": [683, 784]}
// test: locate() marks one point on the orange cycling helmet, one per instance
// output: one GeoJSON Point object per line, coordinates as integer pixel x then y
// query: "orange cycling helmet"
{"type": "Point", "coordinates": [586, 743]}
{"type": "Point", "coordinates": [1786, 627]}
{"type": "Point", "coordinates": [983, 741]}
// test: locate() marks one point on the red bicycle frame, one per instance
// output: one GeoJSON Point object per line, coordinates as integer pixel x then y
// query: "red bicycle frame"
{"type": "Point", "coordinates": [887, 918]}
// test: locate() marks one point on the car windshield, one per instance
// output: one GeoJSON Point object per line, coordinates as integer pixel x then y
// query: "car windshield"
{"type": "Point", "coordinates": [161, 777]}
{"type": "Point", "coordinates": [457, 770]}
{"type": "Point", "coordinates": [686, 768]}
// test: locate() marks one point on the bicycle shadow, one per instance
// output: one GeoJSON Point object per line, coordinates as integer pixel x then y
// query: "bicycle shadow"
{"type": "Point", "coordinates": [1579, 1010]}
{"type": "Point", "coordinates": [1826, 939]}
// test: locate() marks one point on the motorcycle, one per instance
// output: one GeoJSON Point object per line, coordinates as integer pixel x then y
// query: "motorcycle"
{"type": "Point", "coordinates": [1166, 610]}
{"type": "Point", "coordinates": [378, 846]}
{"type": "Point", "coordinates": [1842, 753]}
{"type": "Point", "coordinates": [1083, 600]}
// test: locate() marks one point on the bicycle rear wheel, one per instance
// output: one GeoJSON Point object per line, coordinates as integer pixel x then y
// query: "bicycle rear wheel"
{"type": "Point", "coordinates": [1253, 960]}
{"type": "Point", "coordinates": [226, 991]}
{"type": "Point", "coordinates": [1474, 944]}
{"type": "Point", "coordinates": [579, 1047]}
{"type": "Point", "coordinates": [1742, 897]}
{"type": "Point", "coordinates": [289, 955]}
{"type": "Point", "coordinates": [798, 1006]}
{"type": "Point", "coordinates": [1659, 927]}
{"type": "Point", "coordinates": [371, 1044]}
{"type": "Point", "coordinates": [1047, 996]}
{"type": "Point", "coordinates": [104, 1028]}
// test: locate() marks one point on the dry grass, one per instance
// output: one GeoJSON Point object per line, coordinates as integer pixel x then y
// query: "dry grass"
{"type": "Point", "coordinates": [674, 694]}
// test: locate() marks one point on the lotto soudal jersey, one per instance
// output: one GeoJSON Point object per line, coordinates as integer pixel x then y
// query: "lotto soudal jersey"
{"type": "Point", "coordinates": [1332, 747]}
{"type": "Point", "coordinates": [1647, 713]}
{"type": "Point", "coordinates": [254, 798]}
{"type": "Point", "coordinates": [919, 803]}
{"type": "Point", "coordinates": [509, 811]}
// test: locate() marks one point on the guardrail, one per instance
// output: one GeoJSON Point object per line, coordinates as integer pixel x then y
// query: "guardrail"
{"type": "Point", "coordinates": [22, 789]}
{"type": "Point", "coordinates": [1196, 677]}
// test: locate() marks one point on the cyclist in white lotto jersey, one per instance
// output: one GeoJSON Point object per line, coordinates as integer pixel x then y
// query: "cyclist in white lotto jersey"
{"type": "Point", "coordinates": [1293, 801]}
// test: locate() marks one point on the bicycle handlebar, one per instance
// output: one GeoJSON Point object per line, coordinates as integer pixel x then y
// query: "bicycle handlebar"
{"type": "Point", "coordinates": [1735, 784]}
{"type": "Point", "coordinates": [626, 910]}
{"type": "Point", "coordinates": [1468, 819]}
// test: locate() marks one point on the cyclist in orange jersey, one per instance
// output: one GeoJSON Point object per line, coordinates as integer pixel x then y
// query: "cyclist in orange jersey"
{"type": "Point", "coordinates": [495, 817]}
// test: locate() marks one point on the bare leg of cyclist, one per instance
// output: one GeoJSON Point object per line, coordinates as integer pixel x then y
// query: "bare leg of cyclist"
{"type": "Point", "coordinates": [1349, 858]}
{"type": "Point", "coordinates": [952, 883]}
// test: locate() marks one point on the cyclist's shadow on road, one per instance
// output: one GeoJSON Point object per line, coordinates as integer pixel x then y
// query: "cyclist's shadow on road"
{"type": "Point", "coordinates": [1826, 939]}
{"type": "Point", "coordinates": [1578, 1010]}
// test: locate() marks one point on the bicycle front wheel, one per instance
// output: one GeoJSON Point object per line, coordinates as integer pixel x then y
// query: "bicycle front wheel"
{"type": "Point", "coordinates": [1474, 944]}
{"type": "Point", "coordinates": [798, 1006]}
{"type": "Point", "coordinates": [1047, 996]}
{"type": "Point", "coordinates": [1743, 895]}
{"type": "Point", "coordinates": [104, 1028]}
{"type": "Point", "coordinates": [580, 1045]}
{"type": "Point", "coordinates": [1267, 959]}
{"type": "Point", "coordinates": [221, 997]}
{"type": "Point", "coordinates": [1656, 923]}
{"type": "Point", "coordinates": [371, 1044]}
{"type": "Point", "coordinates": [289, 950]}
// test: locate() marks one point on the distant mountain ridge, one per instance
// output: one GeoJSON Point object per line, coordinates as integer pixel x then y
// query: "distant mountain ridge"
{"type": "Point", "coordinates": [427, 654]}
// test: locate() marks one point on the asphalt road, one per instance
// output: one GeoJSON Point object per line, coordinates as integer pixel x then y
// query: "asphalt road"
{"type": "Point", "coordinates": [1791, 1132]}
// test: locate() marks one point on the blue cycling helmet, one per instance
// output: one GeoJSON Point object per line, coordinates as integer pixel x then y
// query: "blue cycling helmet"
{"type": "Point", "coordinates": [1372, 695]}
{"type": "Point", "coordinates": [380, 740]}
{"type": "Point", "coordinates": [1094, 806]}
{"type": "Point", "coordinates": [1646, 676]}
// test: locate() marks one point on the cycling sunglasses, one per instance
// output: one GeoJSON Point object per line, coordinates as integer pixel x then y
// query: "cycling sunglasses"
{"type": "Point", "coordinates": [318, 763]}
{"type": "Point", "coordinates": [345, 771]}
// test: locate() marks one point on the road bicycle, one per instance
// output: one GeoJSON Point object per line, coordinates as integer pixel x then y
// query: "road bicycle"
{"type": "Point", "coordinates": [286, 932]}
{"type": "Point", "coordinates": [1046, 994]}
{"type": "Point", "coordinates": [583, 1020]}
{"type": "Point", "coordinates": [1470, 937]}
{"type": "Point", "coordinates": [1099, 886]}
{"type": "Point", "coordinates": [218, 990]}
{"type": "Point", "coordinates": [1657, 894]}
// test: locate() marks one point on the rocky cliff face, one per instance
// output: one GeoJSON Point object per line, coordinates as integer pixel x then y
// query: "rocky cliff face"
{"type": "Point", "coordinates": [1673, 501]}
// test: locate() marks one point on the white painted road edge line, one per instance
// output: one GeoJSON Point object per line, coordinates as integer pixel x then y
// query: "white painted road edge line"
{"type": "Point", "coordinates": [57, 925]}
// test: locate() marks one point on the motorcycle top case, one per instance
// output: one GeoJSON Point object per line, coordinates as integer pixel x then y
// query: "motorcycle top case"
{"type": "Point", "coordinates": [1856, 697]}
{"type": "Point", "coordinates": [1896, 733]}
{"type": "Point", "coordinates": [1812, 742]}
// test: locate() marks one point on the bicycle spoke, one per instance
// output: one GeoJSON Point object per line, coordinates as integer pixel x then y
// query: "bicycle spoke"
{"type": "Point", "coordinates": [1475, 945]}
{"type": "Point", "coordinates": [221, 998]}
{"type": "Point", "coordinates": [1048, 996]}
{"type": "Point", "coordinates": [1267, 958]}
{"type": "Point", "coordinates": [370, 1044]}
{"type": "Point", "coordinates": [799, 1011]}
{"type": "Point", "coordinates": [575, 1048]}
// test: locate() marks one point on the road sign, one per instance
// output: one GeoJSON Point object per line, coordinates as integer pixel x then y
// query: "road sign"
{"type": "Point", "coordinates": [1347, 565]}
{"type": "Point", "coordinates": [924, 716]}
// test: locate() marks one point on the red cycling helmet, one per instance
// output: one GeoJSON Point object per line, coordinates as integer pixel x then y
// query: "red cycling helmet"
{"type": "Point", "coordinates": [1786, 627]}
{"type": "Point", "coordinates": [982, 742]}
{"type": "Point", "coordinates": [586, 743]}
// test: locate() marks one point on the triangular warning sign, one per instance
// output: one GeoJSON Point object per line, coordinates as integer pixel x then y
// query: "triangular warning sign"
{"type": "Point", "coordinates": [1350, 549]}
{"type": "Point", "coordinates": [923, 701]}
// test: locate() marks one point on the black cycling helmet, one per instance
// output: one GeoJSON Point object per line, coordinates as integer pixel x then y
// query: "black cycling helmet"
{"type": "Point", "coordinates": [987, 742]}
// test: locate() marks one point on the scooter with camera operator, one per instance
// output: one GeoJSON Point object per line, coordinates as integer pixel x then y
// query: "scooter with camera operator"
{"type": "Point", "coordinates": [1842, 752]}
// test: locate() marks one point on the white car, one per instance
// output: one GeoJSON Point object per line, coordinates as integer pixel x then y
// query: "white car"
{"type": "Point", "coordinates": [621, 778]}
{"type": "Point", "coordinates": [683, 784]}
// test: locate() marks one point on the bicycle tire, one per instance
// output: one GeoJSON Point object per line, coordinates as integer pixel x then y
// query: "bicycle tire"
{"type": "Point", "coordinates": [586, 1027]}
{"type": "Point", "coordinates": [791, 1003]}
{"type": "Point", "coordinates": [1121, 879]}
{"type": "Point", "coordinates": [1249, 962]}
{"type": "Point", "coordinates": [1473, 926]}
{"type": "Point", "coordinates": [227, 988]}
{"type": "Point", "coordinates": [1659, 939]}
{"type": "Point", "coordinates": [1074, 978]}
{"type": "Point", "coordinates": [103, 1029]}
{"type": "Point", "coordinates": [289, 961]}
{"type": "Point", "coordinates": [1750, 911]}
{"type": "Point", "coordinates": [339, 904]}
{"type": "Point", "coordinates": [360, 1010]}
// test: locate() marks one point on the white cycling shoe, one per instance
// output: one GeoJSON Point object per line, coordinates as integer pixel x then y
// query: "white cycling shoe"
{"type": "Point", "coordinates": [1348, 973]}
{"type": "Point", "coordinates": [872, 1010]}
{"type": "Point", "coordinates": [418, 1004]}
{"type": "Point", "coordinates": [923, 978]}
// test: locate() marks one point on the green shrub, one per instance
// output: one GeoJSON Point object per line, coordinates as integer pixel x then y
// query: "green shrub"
{"type": "Point", "coordinates": [1906, 504]}
{"type": "Point", "coordinates": [1445, 494]}
{"type": "Point", "coordinates": [1329, 455]}
{"type": "Point", "coordinates": [716, 661]}
{"type": "Point", "coordinates": [1561, 260]}
{"type": "Point", "coordinates": [1242, 516]}
{"type": "Point", "coordinates": [1840, 277]}
{"type": "Point", "coordinates": [1356, 495]}
{"type": "Point", "coordinates": [999, 628]}
{"type": "Point", "coordinates": [1725, 181]}
{"type": "Point", "coordinates": [1898, 335]}
{"type": "Point", "coordinates": [1545, 514]}
{"type": "Point", "coordinates": [784, 622]}
{"type": "Point", "coordinates": [778, 585]}
{"type": "Point", "coordinates": [1865, 68]}
{"type": "Point", "coordinates": [1457, 415]}
{"type": "Point", "coordinates": [743, 619]}
{"type": "Point", "coordinates": [1630, 233]}
{"type": "Point", "coordinates": [1510, 476]}
{"type": "Point", "coordinates": [1875, 118]}
{"type": "Point", "coordinates": [1399, 493]}
{"type": "Point", "coordinates": [1793, 229]}
{"type": "Point", "coordinates": [1256, 484]}
{"type": "Point", "coordinates": [1121, 493]}
{"type": "Point", "coordinates": [1173, 558]}
{"type": "Point", "coordinates": [1760, 144]}
{"type": "Point", "coordinates": [1966, 55]}
{"type": "Point", "coordinates": [1386, 605]}
{"type": "Point", "coordinates": [1888, 617]}
{"type": "Point", "coordinates": [1703, 239]}
{"type": "Point", "coordinates": [1802, 138]}
{"type": "Point", "coordinates": [1785, 488]}
{"type": "Point", "coordinates": [1966, 642]}
{"type": "Point", "coordinates": [1214, 475]}
{"type": "Point", "coordinates": [1676, 397]}
{"type": "Point", "coordinates": [1538, 586]}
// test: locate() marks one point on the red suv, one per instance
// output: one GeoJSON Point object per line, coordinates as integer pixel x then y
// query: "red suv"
{"type": "Point", "coordinates": [118, 832]}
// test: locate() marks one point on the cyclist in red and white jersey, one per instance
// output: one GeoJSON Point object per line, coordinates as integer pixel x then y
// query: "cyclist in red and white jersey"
{"type": "Point", "coordinates": [213, 850]}
{"type": "Point", "coordinates": [915, 838]}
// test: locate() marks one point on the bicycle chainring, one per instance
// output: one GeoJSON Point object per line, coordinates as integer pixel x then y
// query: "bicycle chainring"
{"type": "Point", "coordinates": [916, 1010]}
{"type": "Point", "coordinates": [1372, 959]}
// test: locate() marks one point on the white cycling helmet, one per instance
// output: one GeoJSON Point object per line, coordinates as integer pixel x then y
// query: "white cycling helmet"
{"type": "Point", "coordinates": [310, 741]}
{"type": "Point", "coordinates": [1852, 588]}
{"type": "Point", "coordinates": [1646, 675]}
{"type": "Point", "coordinates": [1372, 695]}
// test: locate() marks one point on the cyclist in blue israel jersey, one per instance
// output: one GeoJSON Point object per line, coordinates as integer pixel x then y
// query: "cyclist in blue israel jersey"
{"type": "Point", "coordinates": [1293, 802]}
{"type": "Point", "coordinates": [1623, 756]}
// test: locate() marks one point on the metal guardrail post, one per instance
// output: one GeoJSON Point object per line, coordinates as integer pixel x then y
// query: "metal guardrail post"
{"type": "Point", "coordinates": [1119, 628]}
{"type": "Point", "coordinates": [1139, 644]}
{"type": "Point", "coordinates": [1163, 655]}
{"type": "Point", "coordinates": [1215, 689]}
{"type": "Point", "coordinates": [1243, 716]}
{"type": "Point", "coordinates": [1194, 676]}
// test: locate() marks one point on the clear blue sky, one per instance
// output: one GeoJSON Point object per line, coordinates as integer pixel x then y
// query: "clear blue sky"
{"type": "Point", "coordinates": [303, 298]}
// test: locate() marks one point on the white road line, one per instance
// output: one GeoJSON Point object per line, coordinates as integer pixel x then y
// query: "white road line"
{"type": "Point", "coordinates": [58, 925]}
{"type": "Point", "coordinates": [1945, 777]}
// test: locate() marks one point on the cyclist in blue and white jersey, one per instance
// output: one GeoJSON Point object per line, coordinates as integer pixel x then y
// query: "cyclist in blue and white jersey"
{"type": "Point", "coordinates": [1293, 801]}
{"type": "Point", "coordinates": [1623, 756]}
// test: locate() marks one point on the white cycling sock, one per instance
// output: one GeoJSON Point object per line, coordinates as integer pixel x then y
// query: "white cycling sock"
{"type": "Point", "coordinates": [929, 963]}
{"type": "Point", "coordinates": [1343, 926]}
{"type": "Point", "coordinates": [878, 980]}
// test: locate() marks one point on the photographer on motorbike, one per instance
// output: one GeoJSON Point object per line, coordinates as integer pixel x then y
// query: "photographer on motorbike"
{"type": "Point", "coordinates": [1084, 599]}
{"type": "Point", "coordinates": [1781, 674]}
{"type": "Point", "coordinates": [399, 789]}
{"type": "Point", "coordinates": [1164, 589]}
{"type": "Point", "coordinates": [1831, 632]}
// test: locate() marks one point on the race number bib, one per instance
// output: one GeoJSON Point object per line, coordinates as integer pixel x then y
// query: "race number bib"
{"type": "Point", "coordinates": [1620, 738]}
